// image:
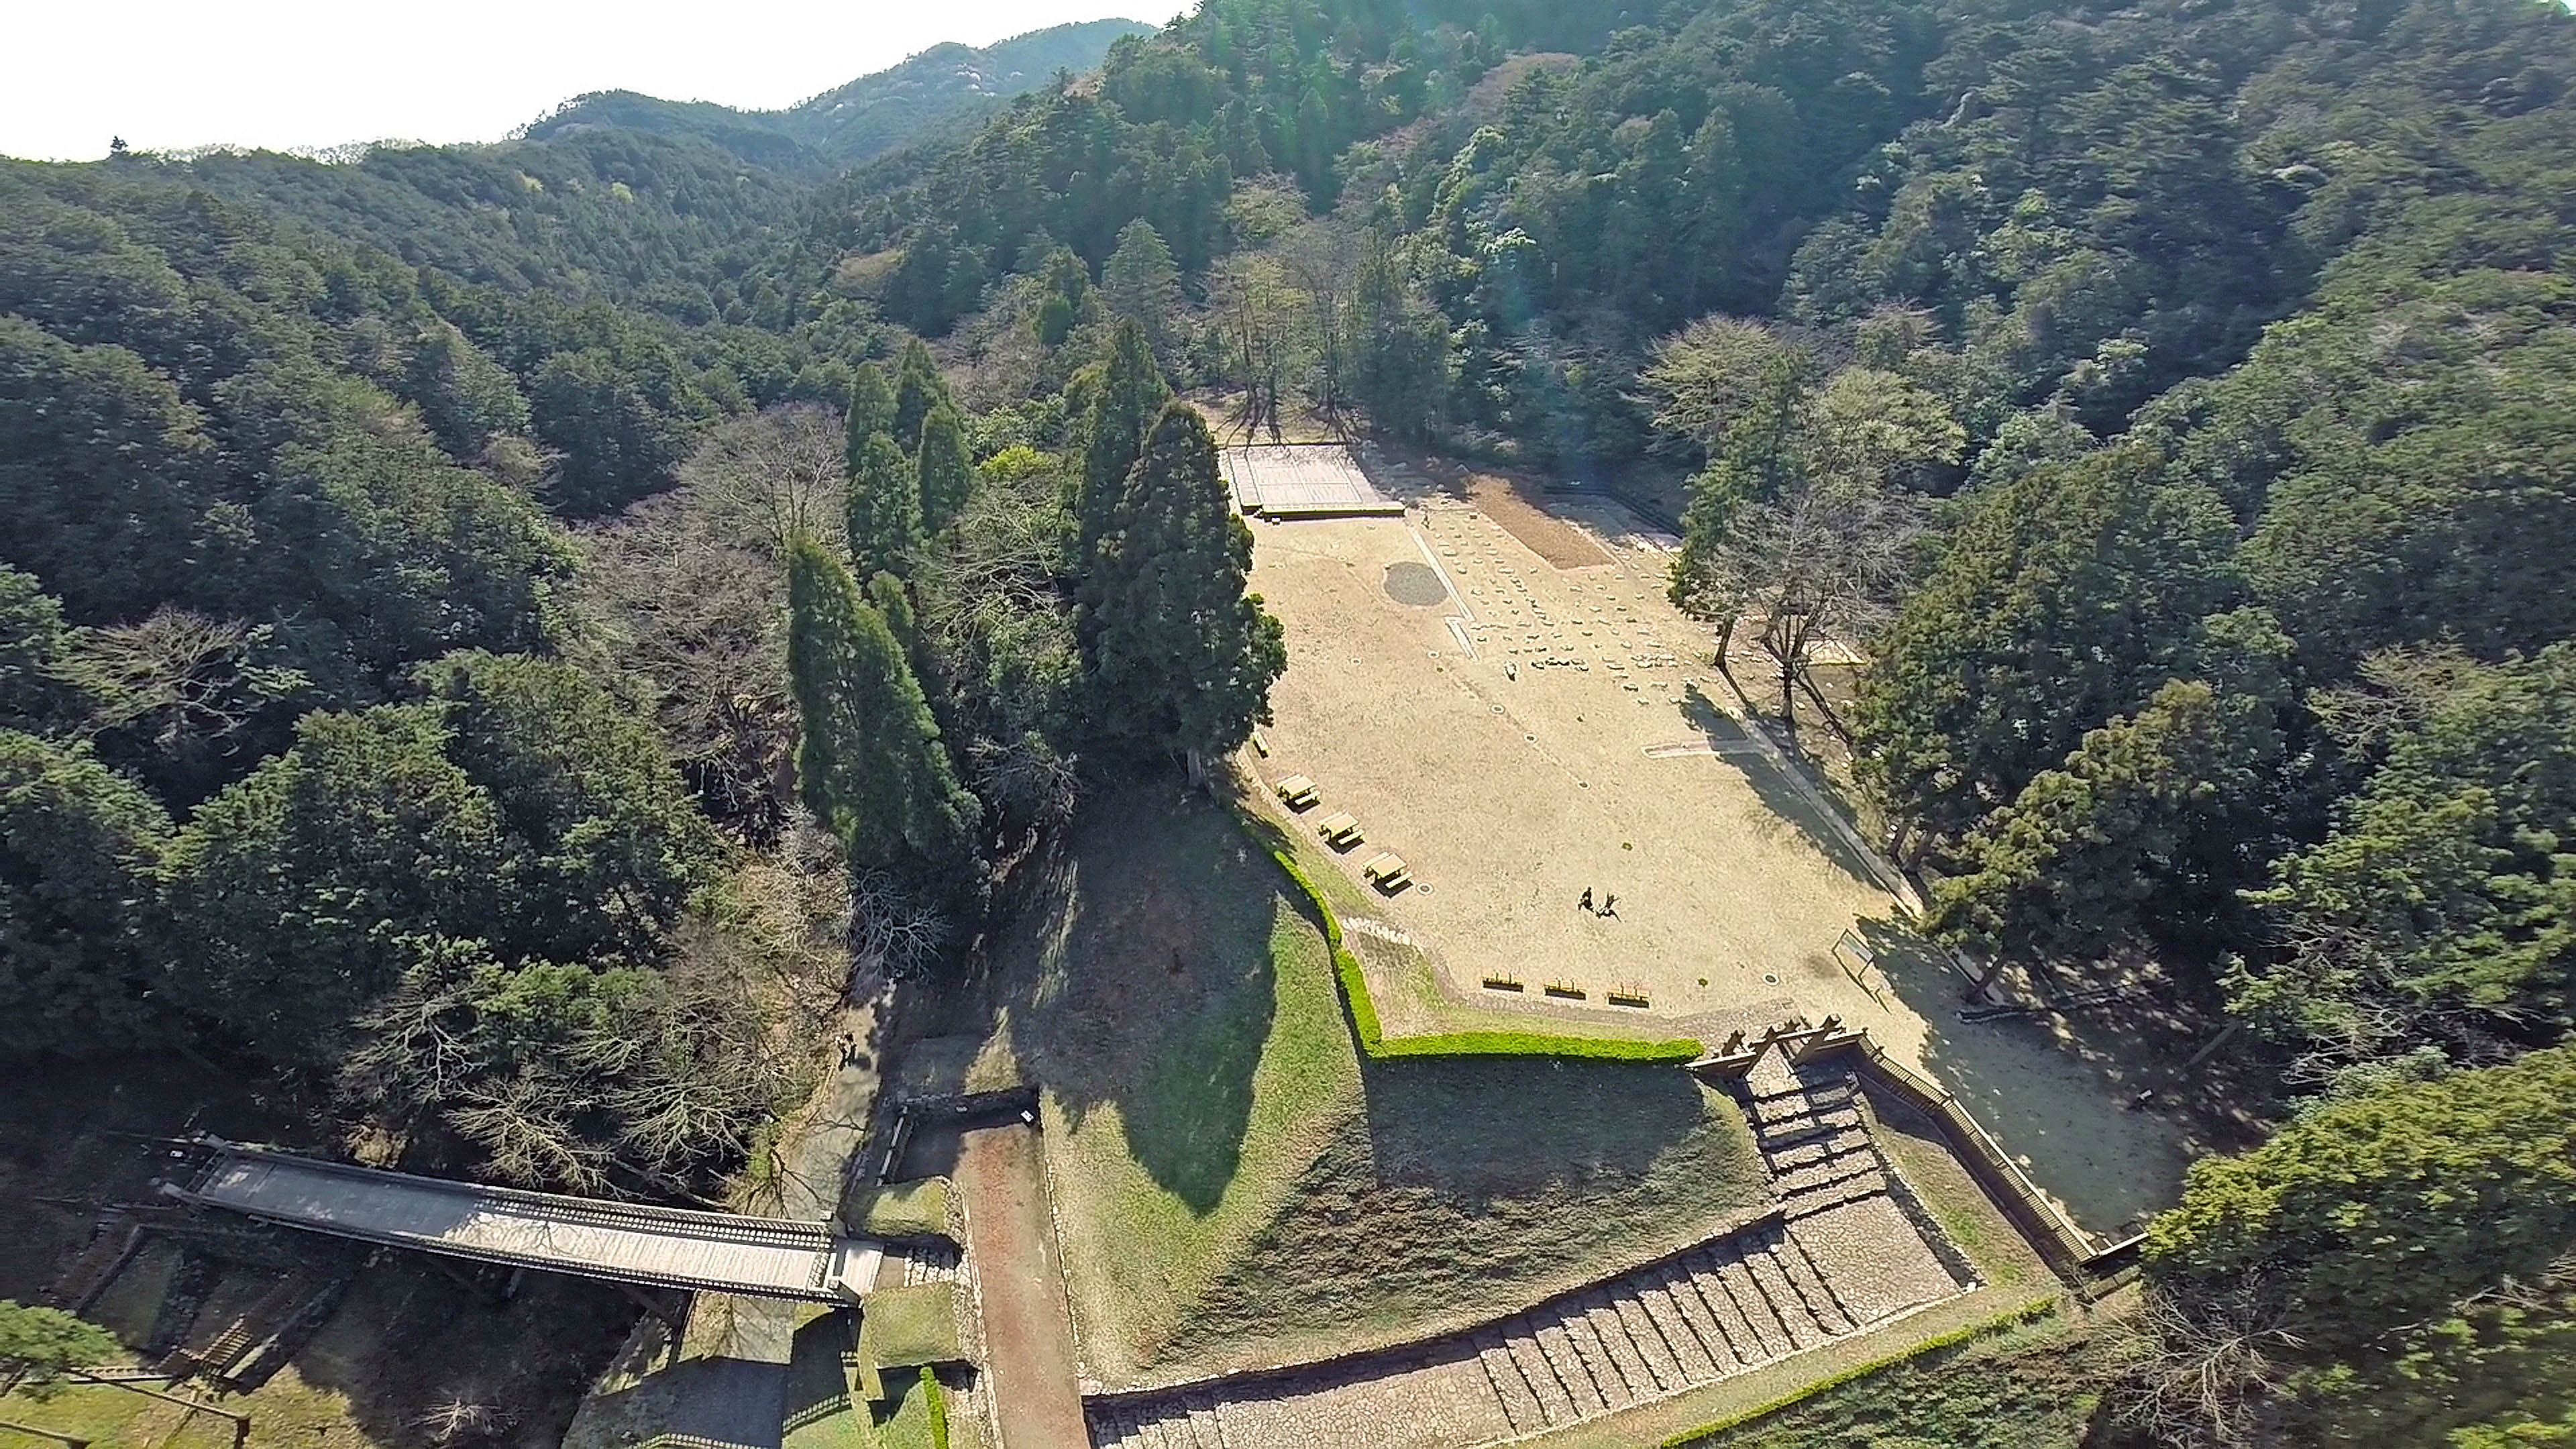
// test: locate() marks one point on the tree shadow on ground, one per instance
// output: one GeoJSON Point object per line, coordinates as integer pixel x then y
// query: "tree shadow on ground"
{"type": "Point", "coordinates": [1479, 1128]}
{"type": "Point", "coordinates": [1734, 745]}
{"type": "Point", "coordinates": [409, 1337]}
{"type": "Point", "coordinates": [817, 1387]}
{"type": "Point", "coordinates": [2055, 1098]}
{"type": "Point", "coordinates": [1159, 990]}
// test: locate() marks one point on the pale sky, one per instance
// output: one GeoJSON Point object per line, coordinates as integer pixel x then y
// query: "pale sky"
{"type": "Point", "coordinates": [170, 74]}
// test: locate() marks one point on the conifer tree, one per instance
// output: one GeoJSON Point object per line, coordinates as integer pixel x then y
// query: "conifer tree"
{"type": "Point", "coordinates": [871, 411]}
{"type": "Point", "coordinates": [2064, 599]}
{"type": "Point", "coordinates": [885, 509]}
{"type": "Point", "coordinates": [871, 764]}
{"type": "Point", "coordinates": [1131, 392]}
{"type": "Point", "coordinates": [1141, 282]}
{"type": "Point", "coordinates": [918, 388]}
{"type": "Point", "coordinates": [1181, 658]}
{"type": "Point", "coordinates": [2387, 1209]}
{"type": "Point", "coordinates": [945, 471]}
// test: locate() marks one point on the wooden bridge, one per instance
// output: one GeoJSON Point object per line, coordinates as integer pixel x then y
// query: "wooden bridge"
{"type": "Point", "coordinates": [621, 1242]}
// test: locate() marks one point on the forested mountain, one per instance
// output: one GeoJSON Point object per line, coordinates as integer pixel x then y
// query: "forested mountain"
{"type": "Point", "coordinates": [942, 89]}
{"type": "Point", "coordinates": [440, 585]}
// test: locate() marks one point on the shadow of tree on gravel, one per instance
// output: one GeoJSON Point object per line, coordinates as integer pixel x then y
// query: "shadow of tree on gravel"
{"type": "Point", "coordinates": [1778, 795]}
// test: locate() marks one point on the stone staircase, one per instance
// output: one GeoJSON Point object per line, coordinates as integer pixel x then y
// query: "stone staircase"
{"type": "Point", "coordinates": [1840, 1256]}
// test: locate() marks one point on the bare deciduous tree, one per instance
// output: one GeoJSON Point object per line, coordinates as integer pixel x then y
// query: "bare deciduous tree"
{"type": "Point", "coordinates": [894, 934]}
{"type": "Point", "coordinates": [2195, 1377]}
{"type": "Point", "coordinates": [688, 592]}
{"type": "Point", "coordinates": [524, 1125]}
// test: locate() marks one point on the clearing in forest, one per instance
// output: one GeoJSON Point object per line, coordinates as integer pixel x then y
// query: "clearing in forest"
{"type": "Point", "coordinates": [1236, 1187]}
{"type": "Point", "coordinates": [1498, 691]}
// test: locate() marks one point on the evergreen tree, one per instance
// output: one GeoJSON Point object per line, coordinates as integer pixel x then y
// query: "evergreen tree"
{"type": "Point", "coordinates": [297, 895]}
{"type": "Point", "coordinates": [1141, 283]}
{"type": "Point", "coordinates": [2444, 898]}
{"type": "Point", "coordinates": [945, 470]}
{"type": "Point", "coordinates": [2087, 850]}
{"type": "Point", "coordinates": [2064, 599]}
{"type": "Point", "coordinates": [918, 388]}
{"type": "Point", "coordinates": [2384, 1210]}
{"type": "Point", "coordinates": [1181, 658]}
{"type": "Point", "coordinates": [1130, 393]}
{"type": "Point", "coordinates": [80, 854]}
{"type": "Point", "coordinates": [871, 412]}
{"type": "Point", "coordinates": [606, 843]}
{"type": "Point", "coordinates": [32, 637]}
{"type": "Point", "coordinates": [871, 763]}
{"type": "Point", "coordinates": [39, 1346]}
{"type": "Point", "coordinates": [885, 508]}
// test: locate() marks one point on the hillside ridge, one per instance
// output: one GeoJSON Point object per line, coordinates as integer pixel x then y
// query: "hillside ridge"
{"type": "Point", "coordinates": [861, 119]}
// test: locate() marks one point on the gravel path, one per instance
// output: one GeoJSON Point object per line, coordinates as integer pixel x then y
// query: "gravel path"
{"type": "Point", "coordinates": [1028, 1334]}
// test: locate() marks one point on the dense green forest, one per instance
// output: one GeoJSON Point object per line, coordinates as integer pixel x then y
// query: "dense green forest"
{"type": "Point", "coordinates": [474, 618]}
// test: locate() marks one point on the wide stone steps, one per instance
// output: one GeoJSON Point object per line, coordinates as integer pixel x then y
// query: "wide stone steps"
{"type": "Point", "coordinates": [1705, 1315]}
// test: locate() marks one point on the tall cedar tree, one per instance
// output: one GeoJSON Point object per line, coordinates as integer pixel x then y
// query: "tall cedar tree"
{"type": "Point", "coordinates": [918, 388]}
{"type": "Point", "coordinates": [885, 509]}
{"type": "Point", "coordinates": [871, 764]}
{"type": "Point", "coordinates": [945, 471]}
{"type": "Point", "coordinates": [871, 411]}
{"type": "Point", "coordinates": [1142, 283]}
{"type": "Point", "coordinates": [1181, 658]}
{"type": "Point", "coordinates": [1131, 392]}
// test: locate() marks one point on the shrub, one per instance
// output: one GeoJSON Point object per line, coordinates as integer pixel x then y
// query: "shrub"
{"type": "Point", "coordinates": [936, 1397]}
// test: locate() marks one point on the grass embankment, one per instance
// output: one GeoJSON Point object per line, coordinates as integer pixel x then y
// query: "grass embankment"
{"type": "Point", "coordinates": [819, 1412]}
{"type": "Point", "coordinates": [1237, 1185]}
{"type": "Point", "coordinates": [2029, 1383]}
{"type": "Point", "coordinates": [111, 1418]}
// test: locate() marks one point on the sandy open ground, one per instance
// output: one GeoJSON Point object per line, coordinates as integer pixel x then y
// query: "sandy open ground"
{"type": "Point", "coordinates": [1520, 730]}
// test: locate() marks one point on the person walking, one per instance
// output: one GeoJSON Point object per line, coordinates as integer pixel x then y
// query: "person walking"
{"type": "Point", "coordinates": [1586, 902]}
{"type": "Point", "coordinates": [1610, 906]}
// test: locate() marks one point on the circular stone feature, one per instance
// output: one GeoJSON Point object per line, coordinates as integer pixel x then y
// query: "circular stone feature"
{"type": "Point", "coordinates": [1416, 584]}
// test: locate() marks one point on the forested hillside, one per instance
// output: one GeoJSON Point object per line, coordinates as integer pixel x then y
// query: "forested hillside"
{"type": "Point", "coordinates": [448, 592]}
{"type": "Point", "coordinates": [943, 89]}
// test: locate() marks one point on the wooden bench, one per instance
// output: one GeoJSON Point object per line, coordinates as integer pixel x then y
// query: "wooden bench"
{"type": "Point", "coordinates": [1340, 830]}
{"type": "Point", "coordinates": [1386, 871]}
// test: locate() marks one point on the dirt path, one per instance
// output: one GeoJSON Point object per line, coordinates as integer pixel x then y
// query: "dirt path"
{"type": "Point", "coordinates": [1028, 1336]}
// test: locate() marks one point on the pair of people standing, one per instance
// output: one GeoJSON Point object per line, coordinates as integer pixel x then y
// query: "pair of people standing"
{"type": "Point", "coordinates": [1609, 903]}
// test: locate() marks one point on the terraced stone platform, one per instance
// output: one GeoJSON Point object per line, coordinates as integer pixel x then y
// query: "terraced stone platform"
{"type": "Point", "coordinates": [1839, 1256]}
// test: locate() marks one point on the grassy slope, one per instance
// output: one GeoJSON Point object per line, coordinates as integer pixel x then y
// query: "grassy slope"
{"type": "Point", "coordinates": [2031, 1389]}
{"type": "Point", "coordinates": [1235, 1188]}
{"type": "Point", "coordinates": [112, 1419]}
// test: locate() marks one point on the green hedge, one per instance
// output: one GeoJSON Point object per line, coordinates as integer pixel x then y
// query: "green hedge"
{"type": "Point", "coordinates": [2027, 1313]}
{"type": "Point", "coordinates": [1373, 1042]}
{"type": "Point", "coordinates": [937, 1398]}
